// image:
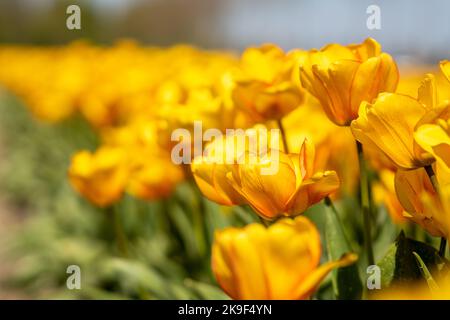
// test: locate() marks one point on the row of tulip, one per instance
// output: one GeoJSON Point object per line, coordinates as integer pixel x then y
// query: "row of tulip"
{"type": "Point", "coordinates": [334, 107]}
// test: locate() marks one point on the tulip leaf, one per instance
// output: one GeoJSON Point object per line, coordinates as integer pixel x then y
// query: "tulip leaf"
{"type": "Point", "coordinates": [205, 291]}
{"type": "Point", "coordinates": [346, 281]}
{"type": "Point", "coordinates": [400, 266]}
{"type": "Point", "coordinates": [426, 273]}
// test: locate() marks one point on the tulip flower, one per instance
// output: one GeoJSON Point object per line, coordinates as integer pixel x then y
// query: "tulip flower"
{"type": "Point", "coordinates": [154, 178]}
{"type": "Point", "coordinates": [416, 291]}
{"type": "Point", "coordinates": [422, 203]}
{"type": "Point", "coordinates": [290, 190]}
{"type": "Point", "coordinates": [278, 262]}
{"type": "Point", "coordinates": [271, 181]}
{"type": "Point", "coordinates": [210, 171]}
{"type": "Point", "coordinates": [385, 126]}
{"type": "Point", "coordinates": [101, 176]}
{"type": "Point", "coordinates": [412, 76]}
{"type": "Point", "coordinates": [445, 68]}
{"type": "Point", "coordinates": [341, 77]}
{"type": "Point", "coordinates": [384, 192]}
{"type": "Point", "coordinates": [334, 146]}
{"type": "Point", "coordinates": [264, 87]}
{"type": "Point", "coordinates": [435, 139]}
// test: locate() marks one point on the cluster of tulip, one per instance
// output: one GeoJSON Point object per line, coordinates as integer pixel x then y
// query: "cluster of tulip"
{"type": "Point", "coordinates": [333, 107]}
{"type": "Point", "coordinates": [133, 96]}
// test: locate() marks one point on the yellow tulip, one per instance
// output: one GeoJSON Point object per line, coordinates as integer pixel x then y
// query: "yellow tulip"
{"type": "Point", "coordinates": [445, 67]}
{"type": "Point", "coordinates": [435, 139]}
{"type": "Point", "coordinates": [423, 204]}
{"type": "Point", "coordinates": [341, 77]}
{"type": "Point", "coordinates": [440, 290]}
{"type": "Point", "coordinates": [290, 190]}
{"type": "Point", "coordinates": [154, 179]}
{"type": "Point", "coordinates": [384, 192]}
{"type": "Point", "coordinates": [101, 176]}
{"type": "Point", "coordinates": [385, 126]}
{"type": "Point", "coordinates": [210, 169]}
{"type": "Point", "coordinates": [412, 76]}
{"type": "Point", "coordinates": [278, 262]}
{"type": "Point", "coordinates": [335, 146]}
{"type": "Point", "coordinates": [264, 86]}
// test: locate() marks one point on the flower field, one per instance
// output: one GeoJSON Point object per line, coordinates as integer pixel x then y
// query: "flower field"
{"type": "Point", "coordinates": [184, 173]}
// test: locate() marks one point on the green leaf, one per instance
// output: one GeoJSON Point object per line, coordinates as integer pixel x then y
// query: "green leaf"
{"type": "Point", "coordinates": [426, 273]}
{"type": "Point", "coordinates": [205, 291]}
{"type": "Point", "coordinates": [399, 265]}
{"type": "Point", "coordinates": [346, 281]}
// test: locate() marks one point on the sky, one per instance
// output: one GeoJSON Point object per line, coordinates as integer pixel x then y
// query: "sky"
{"type": "Point", "coordinates": [420, 27]}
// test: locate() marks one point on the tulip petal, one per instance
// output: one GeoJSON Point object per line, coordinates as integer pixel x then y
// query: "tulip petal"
{"type": "Point", "coordinates": [368, 49]}
{"type": "Point", "coordinates": [266, 263]}
{"type": "Point", "coordinates": [101, 177]}
{"type": "Point", "coordinates": [333, 52]}
{"type": "Point", "coordinates": [383, 75]}
{"type": "Point", "coordinates": [268, 194]}
{"type": "Point", "coordinates": [204, 177]}
{"type": "Point", "coordinates": [237, 264]}
{"type": "Point", "coordinates": [427, 93]}
{"type": "Point", "coordinates": [336, 109]}
{"type": "Point", "coordinates": [342, 74]}
{"type": "Point", "coordinates": [435, 140]}
{"type": "Point", "coordinates": [323, 184]}
{"type": "Point", "coordinates": [445, 68]}
{"type": "Point", "coordinates": [306, 159]}
{"type": "Point", "coordinates": [313, 190]}
{"type": "Point", "coordinates": [412, 187]}
{"type": "Point", "coordinates": [308, 286]}
{"type": "Point", "coordinates": [386, 126]}
{"type": "Point", "coordinates": [291, 245]}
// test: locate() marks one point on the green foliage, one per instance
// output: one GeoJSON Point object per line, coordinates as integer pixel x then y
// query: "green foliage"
{"type": "Point", "coordinates": [399, 265]}
{"type": "Point", "coordinates": [346, 281]}
{"type": "Point", "coordinates": [168, 241]}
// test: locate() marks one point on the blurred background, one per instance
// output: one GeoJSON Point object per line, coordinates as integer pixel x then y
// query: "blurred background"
{"type": "Point", "coordinates": [234, 24]}
{"type": "Point", "coordinates": [34, 157]}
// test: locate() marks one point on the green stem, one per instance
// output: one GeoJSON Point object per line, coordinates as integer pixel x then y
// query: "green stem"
{"type": "Point", "coordinates": [330, 204]}
{"type": "Point", "coordinates": [442, 247]}
{"type": "Point", "coordinates": [283, 135]}
{"type": "Point", "coordinates": [434, 182]}
{"type": "Point", "coordinates": [122, 242]}
{"type": "Point", "coordinates": [365, 204]}
{"type": "Point", "coordinates": [198, 220]}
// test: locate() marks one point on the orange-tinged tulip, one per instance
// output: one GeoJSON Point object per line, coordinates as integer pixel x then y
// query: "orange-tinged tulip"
{"type": "Point", "coordinates": [422, 203]}
{"type": "Point", "coordinates": [437, 288]}
{"type": "Point", "coordinates": [264, 85]}
{"type": "Point", "coordinates": [335, 146]}
{"type": "Point", "coordinates": [385, 126]}
{"type": "Point", "coordinates": [218, 158]}
{"type": "Point", "coordinates": [291, 189]}
{"type": "Point", "coordinates": [445, 67]}
{"type": "Point", "coordinates": [341, 77]}
{"type": "Point", "coordinates": [412, 76]}
{"type": "Point", "coordinates": [154, 179]}
{"type": "Point", "coordinates": [435, 139]}
{"type": "Point", "coordinates": [384, 192]}
{"type": "Point", "coordinates": [101, 176]}
{"type": "Point", "coordinates": [278, 262]}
